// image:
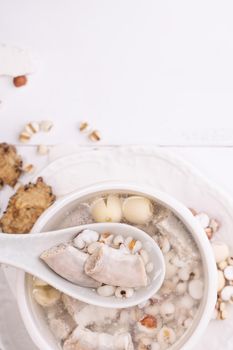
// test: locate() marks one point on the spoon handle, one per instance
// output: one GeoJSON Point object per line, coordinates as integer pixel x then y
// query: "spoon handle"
{"type": "Point", "coordinates": [19, 250]}
{"type": "Point", "coordinates": [23, 250]}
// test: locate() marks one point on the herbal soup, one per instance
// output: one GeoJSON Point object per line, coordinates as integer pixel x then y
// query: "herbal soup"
{"type": "Point", "coordinates": [158, 323]}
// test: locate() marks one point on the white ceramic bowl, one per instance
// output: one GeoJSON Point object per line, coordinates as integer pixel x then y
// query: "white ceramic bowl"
{"type": "Point", "coordinates": [31, 312]}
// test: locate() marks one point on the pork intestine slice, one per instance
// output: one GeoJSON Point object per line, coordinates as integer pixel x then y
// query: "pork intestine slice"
{"type": "Point", "coordinates": [84, 339]}
{"type": "Point", "coordinates": [117, 268]}
{"type": "Point", "coordinates": [86, 315]}
{"type": "Point", "coordinates": [68, 262]}
{"type": "Point", "coordinates": [179, 237]}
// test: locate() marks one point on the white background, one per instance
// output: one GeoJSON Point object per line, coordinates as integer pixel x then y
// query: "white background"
{"type": "Point", "coordinates": [151, 71]}
{"type": "Point", "coordinates": [140, 71]}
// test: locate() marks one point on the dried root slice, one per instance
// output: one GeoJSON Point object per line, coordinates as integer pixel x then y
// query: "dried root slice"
{"type": "Point", "coordinates": [113, 267]}
{"type": "Point", "coordinates": [46, 296]}
{"type": "Point", "coordinates": [25, 206]}
{"type": "Point", "coordinates": [68, 262]}
{"type": "Point", "coordinates": [10, 165]}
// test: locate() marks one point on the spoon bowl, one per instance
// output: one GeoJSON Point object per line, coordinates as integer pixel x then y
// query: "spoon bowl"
{"type": "Point", "coordinates": [23, 251]}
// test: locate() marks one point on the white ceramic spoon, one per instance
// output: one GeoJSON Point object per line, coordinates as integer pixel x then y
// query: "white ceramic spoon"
{"type": "Point", "coordinates": [23, 251]}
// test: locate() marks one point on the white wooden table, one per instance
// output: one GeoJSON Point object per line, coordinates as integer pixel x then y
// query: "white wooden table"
{"type": "Point", "coordinates": [155, 72]}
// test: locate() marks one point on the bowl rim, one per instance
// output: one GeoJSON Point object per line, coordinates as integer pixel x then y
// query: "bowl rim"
{"type": "Point", "coordinates": [177, 207]}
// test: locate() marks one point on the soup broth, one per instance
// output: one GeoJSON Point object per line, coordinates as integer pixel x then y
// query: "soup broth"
{"type": "Point", "coordinates": [161, 321]}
